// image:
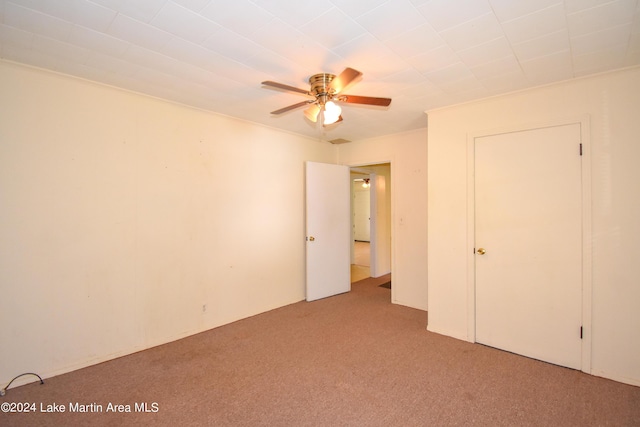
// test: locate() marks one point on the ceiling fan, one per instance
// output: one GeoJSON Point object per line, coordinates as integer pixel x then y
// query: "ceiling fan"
{"type": "Point", "coordinates": [326, 90]}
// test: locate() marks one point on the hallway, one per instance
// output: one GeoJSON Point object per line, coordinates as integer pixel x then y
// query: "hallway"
{"type": "Point", "coordinates": [360, 267]}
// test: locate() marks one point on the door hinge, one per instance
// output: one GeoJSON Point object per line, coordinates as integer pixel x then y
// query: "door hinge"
{"type": "Point", "coordinates": [581, 149]}
{"type": "Point", "coordinates": [580, 332]}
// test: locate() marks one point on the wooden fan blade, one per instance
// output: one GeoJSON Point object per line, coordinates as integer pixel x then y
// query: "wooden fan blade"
{"type": "Point", "coordinates": [293, 107]}
{"type": "Point", "coordinates": [369, 100]}
{"type": "Point", "coordinates": [285, 87]}
{"type": "Point", "coordinates": [344, 79]}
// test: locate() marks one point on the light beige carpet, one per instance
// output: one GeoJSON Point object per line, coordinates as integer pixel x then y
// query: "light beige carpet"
{"type": "Point", "coordinates": [349, 360]}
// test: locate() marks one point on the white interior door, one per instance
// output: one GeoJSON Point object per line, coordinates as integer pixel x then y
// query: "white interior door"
{"type": "Point", "coordinates": [528, 223]}
{"type": "Point", "coordinates": [380, 232]}
{"type": "Point", "coordinates": [361, 212]}
{"type": "Point", "coordinates": [328, 223]}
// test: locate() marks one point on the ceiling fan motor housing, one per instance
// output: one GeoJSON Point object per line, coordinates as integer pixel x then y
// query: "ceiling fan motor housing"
{"type": "Point", "coordinates": [320, 87]}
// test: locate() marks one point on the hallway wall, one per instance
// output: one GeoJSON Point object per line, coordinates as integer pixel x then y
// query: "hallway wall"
{"type": "Point", "coordinates": [407, 153]}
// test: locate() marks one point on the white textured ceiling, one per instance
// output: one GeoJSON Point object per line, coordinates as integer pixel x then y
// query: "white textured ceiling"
{"type": "Point", "coordinates": [213, 54]}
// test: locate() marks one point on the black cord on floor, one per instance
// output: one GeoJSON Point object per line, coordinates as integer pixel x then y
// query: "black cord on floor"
{"type": "Point", "coordinates": [4, 390]}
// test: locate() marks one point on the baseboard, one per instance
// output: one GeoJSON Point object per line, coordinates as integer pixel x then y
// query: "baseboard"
{"type": "Point", "coordinates": [617, 378]}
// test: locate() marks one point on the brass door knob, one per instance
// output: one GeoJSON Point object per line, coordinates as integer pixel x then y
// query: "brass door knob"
{"type": "Point", "coordinates": [311, 238]}
{"type": "Point", "coordinates": [481, 251]}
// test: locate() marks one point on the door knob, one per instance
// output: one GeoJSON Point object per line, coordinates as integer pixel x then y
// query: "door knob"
{"type": "Point", "coordinates": [481, 251]}
{"type": "Point", "coordinates": [311, 238]}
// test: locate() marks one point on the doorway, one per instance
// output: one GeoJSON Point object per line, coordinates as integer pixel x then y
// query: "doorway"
{"type": "Point", "coordinates": [361, 217]}
{"type": "Point", "coordinates": [370, 221]}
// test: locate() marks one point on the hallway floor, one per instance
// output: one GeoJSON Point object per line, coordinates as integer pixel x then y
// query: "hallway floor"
{"type": "Point", "coordinates": [360, 268]}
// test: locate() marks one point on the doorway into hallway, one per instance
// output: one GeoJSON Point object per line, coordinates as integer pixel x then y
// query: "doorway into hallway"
{"type": "Point", "coordinates": [360, 267]}
{"type": "Point", "coordinates": [371, 221]}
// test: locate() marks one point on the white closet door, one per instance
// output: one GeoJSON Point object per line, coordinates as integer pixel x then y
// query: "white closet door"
{"type": "Point", "coordinates": [528, 241]}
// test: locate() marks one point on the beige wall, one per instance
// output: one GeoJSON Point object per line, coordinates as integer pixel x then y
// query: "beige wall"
{"type": "Point", "coordinates": [612, 106]}
{"type": "Point", "coordinates": [128, 222]}
{"type": "Point", "coordinates": [407, 154]}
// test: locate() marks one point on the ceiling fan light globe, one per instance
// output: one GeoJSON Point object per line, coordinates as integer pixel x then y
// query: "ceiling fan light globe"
{"type": "Point", "coordinates": [332, 108]}
{"type": "Point", "coordinates": [311, 113]}
{"type": "Point", "coordinates": [329, 120]}
{"type": "Point", "coordinates": [331, 113]}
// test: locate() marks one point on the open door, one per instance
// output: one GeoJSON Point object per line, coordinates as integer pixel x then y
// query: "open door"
{"type": "Point", "coordinates": [328, 224]}
{"type": "Point", "coordinates": [380, 230]}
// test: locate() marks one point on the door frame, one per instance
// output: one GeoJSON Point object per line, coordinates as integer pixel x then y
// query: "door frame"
{"type": "Point", "coordinates": [585, 136]}
{"type": "Point", "coordinates": [362, 168]}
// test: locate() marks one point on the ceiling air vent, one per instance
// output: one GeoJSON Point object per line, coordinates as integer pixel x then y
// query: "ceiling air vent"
{"type": "Point", "coordinates": [339, 141]}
